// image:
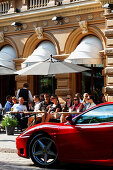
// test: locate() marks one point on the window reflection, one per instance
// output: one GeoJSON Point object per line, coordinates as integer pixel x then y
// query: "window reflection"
{"type": "Point", "coordinates": [97, 115]}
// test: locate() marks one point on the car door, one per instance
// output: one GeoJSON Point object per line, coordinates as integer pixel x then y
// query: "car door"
{"type": "Point", "coordinates": [91, 137]}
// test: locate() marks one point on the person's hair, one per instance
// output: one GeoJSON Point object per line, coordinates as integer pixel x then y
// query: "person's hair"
{"type": "Point", "coordinates": [42, 95]}
{"type": "Point", "coordinates": [8, 97]}
{"type": "Point", "coordinates": [78, 95]}
{"type": "Point", "coordinates": [26, 85]}
{"type": "Point", "coordinates": [85, 94]}
{"type": "Point", "coordinates": [37, 96]}
{"type": "Point", "coordinates": [20, 98]}
{"type": "Point", "coordinates": [46, 94]}
{"type": "Point", "coordinates": [54, 96]}
{"type": "Point", "coordinates": [14, 98]}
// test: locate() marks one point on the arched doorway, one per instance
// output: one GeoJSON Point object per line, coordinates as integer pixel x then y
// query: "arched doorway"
{"type": "Point", "coordinates": [7, 82]}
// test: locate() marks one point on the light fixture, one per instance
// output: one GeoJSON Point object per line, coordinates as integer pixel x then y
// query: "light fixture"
{"type": "Point", "coordinates": [17, 25]}
{"type": "Point", "coordinates": [57, 19]}
{"type": "Point", "coordinates": [110, 6]}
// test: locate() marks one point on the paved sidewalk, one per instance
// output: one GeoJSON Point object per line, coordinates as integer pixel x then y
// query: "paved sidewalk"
{"type": "Point", "coordinates": [8, 142]}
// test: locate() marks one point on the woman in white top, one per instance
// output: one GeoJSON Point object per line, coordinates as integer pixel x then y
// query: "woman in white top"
{"type": "Point", "coordinates": [91, 102]}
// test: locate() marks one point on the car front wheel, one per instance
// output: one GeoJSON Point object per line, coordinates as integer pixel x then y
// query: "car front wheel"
{"type": "Point", "coordinates": [43, 151]}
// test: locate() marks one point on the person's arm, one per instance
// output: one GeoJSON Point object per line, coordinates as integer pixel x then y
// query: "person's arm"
{"type": "Point", "coordinates": [25, 108]}
{"type": "Point", "coordinates": [17, 96]}
{"type": "Point", "coordinates": [81, 107]}
{"type": "Point", "coordinates": [0, 106]}
{"type": "Point", "coordinates": [30, 97]}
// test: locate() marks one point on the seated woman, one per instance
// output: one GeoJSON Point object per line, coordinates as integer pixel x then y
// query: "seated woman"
{"type": "Point", "coordinates": [14, 100]}
{"type": "Point", "coordinates": [77, 106]}
{"type": "Point", "coordinates": [66, 106]}
{"type": "Point", "coordinates": [85, 100]}
{"type": "Point", "coordinates": [52, 113]}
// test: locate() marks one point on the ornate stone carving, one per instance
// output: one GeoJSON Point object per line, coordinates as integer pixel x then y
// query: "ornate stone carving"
{"type": "Point", "coordinates": [44, 23]}
{"type": "Point", "coordinates": [90, 16]}
{"type": "Point", "coordinates": [105, 1]}
{"type": "Point", "coordinates": [24, 26]}
{"type": "Point", "coordinates": [39, 32]}
{"type": "Point", "coordinates": [1, 37]}
{"type": "Point", "coordinates": [83, 26]}
{"type": "Point", "coordinates": [66, 19]}
{"type": "Point", "coordinates": [35, 24]}
{"type": "Point", "coordinates": [78, 18]}
{"type": "Point", "coordinates": [5, 28]}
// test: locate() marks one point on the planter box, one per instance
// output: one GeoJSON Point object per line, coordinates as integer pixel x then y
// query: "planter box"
{"type": "Point", "coordinates": [10, 130]}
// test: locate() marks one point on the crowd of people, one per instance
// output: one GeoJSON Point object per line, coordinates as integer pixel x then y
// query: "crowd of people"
{"type": "Point", "coordinates": [48, 108]}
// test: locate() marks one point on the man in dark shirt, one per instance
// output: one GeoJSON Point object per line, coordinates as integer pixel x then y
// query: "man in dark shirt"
{"type": "Point", "coordinates": [44, 105]}
{"type": "Point", "coordinates": [26, 94]}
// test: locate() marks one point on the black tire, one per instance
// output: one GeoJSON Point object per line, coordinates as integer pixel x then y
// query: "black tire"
{"type": "Point", "coordinates": [43, 151]}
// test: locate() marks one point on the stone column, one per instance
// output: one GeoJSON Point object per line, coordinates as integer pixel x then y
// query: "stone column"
{"type": "Point", "coordinates": [64, 86]}
{"type": "Point", "coordinates": [108, 70]}
{"type": "Point", "coordinates": [24, 5]}
{"type": "Point", "coordinates": [12, 6]}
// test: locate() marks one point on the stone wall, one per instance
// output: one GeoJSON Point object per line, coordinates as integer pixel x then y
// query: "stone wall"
{"type": "Point", "coordinates": [108, 71]}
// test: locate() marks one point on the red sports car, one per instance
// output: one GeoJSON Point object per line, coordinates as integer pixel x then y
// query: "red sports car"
{"type": "Point", "coordinates": [87, 138]}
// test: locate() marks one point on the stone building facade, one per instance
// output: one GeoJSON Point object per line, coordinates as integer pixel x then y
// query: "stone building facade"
{"type": "Point", "coordinates": [79, 19]}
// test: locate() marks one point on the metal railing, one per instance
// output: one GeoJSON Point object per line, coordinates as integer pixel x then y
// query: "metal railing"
{"type": "Point", "coordinates": [4, 7]}
{"type": "Point", "coordinates": [38, 3]}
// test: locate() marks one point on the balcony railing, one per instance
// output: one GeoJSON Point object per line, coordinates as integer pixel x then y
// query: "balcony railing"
{"type": "Point", "coordinates": [38, 3]}
{"type": "Point", "coordinates": [9, 6]}
{"type": "Point", "coordinates": [4, 7]}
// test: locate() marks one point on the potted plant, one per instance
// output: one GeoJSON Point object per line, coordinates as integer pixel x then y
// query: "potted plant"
{"type": "Point", "coordinates": [9, 123]}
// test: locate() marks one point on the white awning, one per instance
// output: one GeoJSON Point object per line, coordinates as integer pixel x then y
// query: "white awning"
{"type": "Point", "coordinates": [7, 55]}
{"type": "Point", "coordinates": [41, 53]}
{"type": "Point", "coordinates": [87, 52]}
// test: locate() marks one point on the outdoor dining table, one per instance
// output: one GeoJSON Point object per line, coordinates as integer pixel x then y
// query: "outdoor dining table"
{"type": "Point", "coordinates": [26, 113]}
{"type": "Point", "coordinates": [66, 113]}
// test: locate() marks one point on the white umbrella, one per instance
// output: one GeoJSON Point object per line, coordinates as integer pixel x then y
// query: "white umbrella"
{"type": "Point", "coordinates": [6, 71]}
{"type": "Point", "coordinates": [51, 66]}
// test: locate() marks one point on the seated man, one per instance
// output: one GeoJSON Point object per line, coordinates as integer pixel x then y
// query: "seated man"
{"type": "Point", "coordinates": [53, 109]}
{"type": "Point", "coordinates": [8, 104]}
{"type": "Point", "coordinates": [44, 106]}
{"type": "Point", "coordinates": [22, 120]}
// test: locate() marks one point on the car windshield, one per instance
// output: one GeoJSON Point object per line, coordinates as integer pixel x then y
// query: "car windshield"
{"type": "Point", "coordinates": [99, 114]}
